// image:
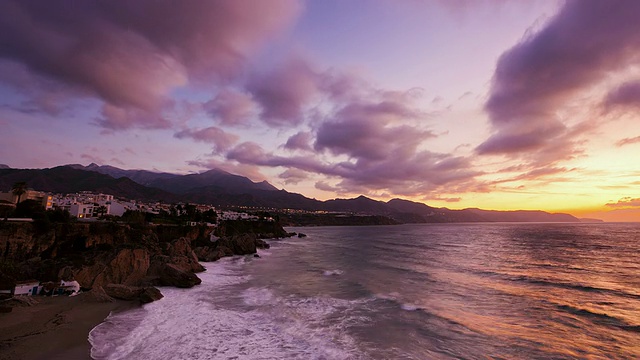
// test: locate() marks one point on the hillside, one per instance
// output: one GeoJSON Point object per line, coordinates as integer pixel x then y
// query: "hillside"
{"type": "Point", "coordinates": [224, 189]}
{"type": "Point", "coordinates": [66, 179]}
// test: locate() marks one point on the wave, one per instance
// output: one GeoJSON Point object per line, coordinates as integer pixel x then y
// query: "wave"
{"type": "Point", "coordinates": [599, 318]}
{"type": "Point", "coordinates": [332, 272]}
{"type": "Point", "coordinates": [207, 322]}
{"type": "Point", "coordinates": [558, 284]}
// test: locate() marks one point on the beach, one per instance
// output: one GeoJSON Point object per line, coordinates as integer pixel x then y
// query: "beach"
{"type": "Point", "coordinates": [54, 328]}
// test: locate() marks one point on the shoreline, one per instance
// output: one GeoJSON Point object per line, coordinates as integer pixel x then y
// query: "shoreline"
{"type": "Point", "coordinates": [55, 328]}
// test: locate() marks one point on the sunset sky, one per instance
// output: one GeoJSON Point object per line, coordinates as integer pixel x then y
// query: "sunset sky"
{"type": "Point", "coordinates": [489, 104]}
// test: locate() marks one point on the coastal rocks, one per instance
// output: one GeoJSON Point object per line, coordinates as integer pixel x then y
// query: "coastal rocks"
{"type": "Point", "coordinates": [128, 267]}
{"type": "Point", "coordinates": [301, 235]}
{"type": "Point", "coordinates": [181, 255]}
{"type": "Point", "coordinates": [243, 244]}
{"type": "Point", "coordinates": [150, 294]}
{"type": "Point", "coordinates": [123, 292]}
{"type": "Point", "coordinates": [261, 244]}
{"type": "Point", "coordinates": [172, 275]}
{"type": "Point", "coordinates": [66, 273]}
{"type": "Point", "coordinates": [209, 253]}
{"type": "Point", "coordinates": [97, 294]}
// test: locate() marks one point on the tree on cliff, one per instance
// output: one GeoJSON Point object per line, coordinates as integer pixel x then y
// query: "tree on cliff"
{"type": "Point", "coordinates": [19, 189]}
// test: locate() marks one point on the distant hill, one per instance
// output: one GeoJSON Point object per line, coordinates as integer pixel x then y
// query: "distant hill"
{"type": "Point", "coordinates": [66, 179]}
{"type": "Point", "coordinates": [222, 180]}
{"type": "Point", "coordinates": [142, 177]}
{"type": "Point", "coordinates": [221, 188]}
{"type": "Point", "coordinates": [213, 179]}
{"type": "Point", "coordinates": [589, 220]}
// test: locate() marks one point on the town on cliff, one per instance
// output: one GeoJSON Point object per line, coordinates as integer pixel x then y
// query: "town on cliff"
{"type": "Point", "coordinates": [107, 248]}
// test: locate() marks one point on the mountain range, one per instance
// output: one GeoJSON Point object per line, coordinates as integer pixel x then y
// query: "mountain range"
{"type": "Point", "coordinates": [224, 189]}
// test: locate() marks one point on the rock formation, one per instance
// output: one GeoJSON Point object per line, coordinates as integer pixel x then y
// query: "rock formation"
{"type": "Point", "coordinates": [122, 261]}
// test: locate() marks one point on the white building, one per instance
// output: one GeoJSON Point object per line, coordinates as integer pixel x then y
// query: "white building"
{"type": "Point", "coordinates": [81, 211]}
{"type": "Point", "coordinates": [31, 287]}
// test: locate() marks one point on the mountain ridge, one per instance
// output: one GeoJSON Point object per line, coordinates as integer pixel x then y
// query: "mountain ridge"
{"type": "Point", "coordinates": [220, 188]}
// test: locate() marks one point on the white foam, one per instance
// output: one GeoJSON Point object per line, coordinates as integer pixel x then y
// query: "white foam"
{"type": "Point", "coordinates": [205, 322]}
{"type": "Point", "coordinates": [409, 307]}
{"type": "Point", "coordinates": [390, 296]}
{"type": "Point", "coordinates": [332, 272]}
{"type": "Point", "coordinates": [264, 253]}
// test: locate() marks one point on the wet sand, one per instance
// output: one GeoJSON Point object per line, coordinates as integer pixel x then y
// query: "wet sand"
{"type": "Point", "coordinates": [55, 328]}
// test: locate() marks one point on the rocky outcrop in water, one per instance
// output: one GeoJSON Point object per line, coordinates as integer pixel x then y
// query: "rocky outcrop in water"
{"type": "Point", "coordinates": [244, 244]}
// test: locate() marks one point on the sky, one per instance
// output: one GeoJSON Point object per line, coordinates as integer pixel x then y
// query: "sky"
{"type": "Point", "coordinates": [492, 104]}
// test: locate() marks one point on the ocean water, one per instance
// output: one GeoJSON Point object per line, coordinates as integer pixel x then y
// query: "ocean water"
{"type": "Point", "coordinates": [442, 291]}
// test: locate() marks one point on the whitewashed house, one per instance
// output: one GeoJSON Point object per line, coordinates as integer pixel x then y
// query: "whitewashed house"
{"type": "Point", "coordinates": [81, 211]}
{"type": "Point", "coordinates": [30, 287]}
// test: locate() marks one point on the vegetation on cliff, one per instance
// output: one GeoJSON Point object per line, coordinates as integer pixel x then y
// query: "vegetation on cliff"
{"type": "Point", "coordinates": [138, 255]}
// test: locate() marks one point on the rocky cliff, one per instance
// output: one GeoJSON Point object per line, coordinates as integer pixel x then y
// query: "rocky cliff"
{"type": "Point", "coordinates": [99, 255]}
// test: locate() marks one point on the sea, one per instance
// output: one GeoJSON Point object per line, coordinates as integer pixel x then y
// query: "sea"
{"type": "Point", "coordinates": [428, 291]}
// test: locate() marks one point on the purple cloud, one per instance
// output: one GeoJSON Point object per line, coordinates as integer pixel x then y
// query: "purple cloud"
{"type": "Point", "coordinates": [231, 108]}
{"type": "Point", "coordinates": [120, 51]}
{"type": "Point", "coordinates": [372, 131]}
{"type": "Point", "coordinates": [626, 95]}
{"type": "Point", "coordinates": [284, 92]}
{"type": "Point", "coordinates": [537, 76]}
{"type": "Point", "coordinates": [293, 176]}
{"type": "Point", "coordinates": [220, 139]}
{"type": "Point", "coordinates": [121, 118]}
{"type": "Point", "coordinates": [413, 174]}
{"type": "Point", "coordinates": [299, 141]}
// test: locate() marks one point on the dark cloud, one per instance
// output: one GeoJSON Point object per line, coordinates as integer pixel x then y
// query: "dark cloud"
{"type": "Point", "coordinates": [299, 141]}
{"type": "Point", "coordinates": [293, 176]}
{"type": "Point", "coordinates": [626, 202]}
{"type": "Point", "coordinates": [123, 117]}
{"type": "Point", "coordinates": [220, 139]}
{"type": "Point", "coordinates": [284, 92]}
{"type": "Point", "coordinates": [585, 42]}
{"type": "Point", "coordinates": [324, 186]}
{"type": "Point", "coordinates": [410, 175]}
{"type": "Point", "coordinates": [373, 131]}
{"type": "Point", "coordinates": [231, 108]}
{"type": "Point", "coordinates": [381, 134]}
{"type": "Point", "coordinates": [626, 95]}
{"type": "Point", "coordinates": [132, 53]}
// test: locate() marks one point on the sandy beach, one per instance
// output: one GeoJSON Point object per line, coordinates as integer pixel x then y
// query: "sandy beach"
{"type": "Point", "coordinates": [55, 328]}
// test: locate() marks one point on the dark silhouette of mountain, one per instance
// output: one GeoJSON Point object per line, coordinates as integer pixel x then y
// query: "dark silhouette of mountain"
{"type": "Point", "coordinates": [590, 220]}
{"type": "Point", "coordinates": [3, 166]}
{"type": "Point", "coordinates": [426, 213]}
{"type": "Point", "coordinates": [142, 177]}
{"type": "Point", "coordinates": [67, 179]}
{"type": "Point", "coordinates": [521, 216]}
{"type": "Point", "coordinates": [216, 179]}
{"type": "Point", "coordinates": [223, 189]}
{"type": "Point", "coordinates": [279, 199]}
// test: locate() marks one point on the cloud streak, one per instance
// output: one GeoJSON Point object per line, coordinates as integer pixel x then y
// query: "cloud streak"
{"type": "Point", "coordinates": [626, 202]}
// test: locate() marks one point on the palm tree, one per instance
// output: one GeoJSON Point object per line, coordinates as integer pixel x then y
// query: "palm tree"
{"type": "Point", "coordinates": [19, 189]}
